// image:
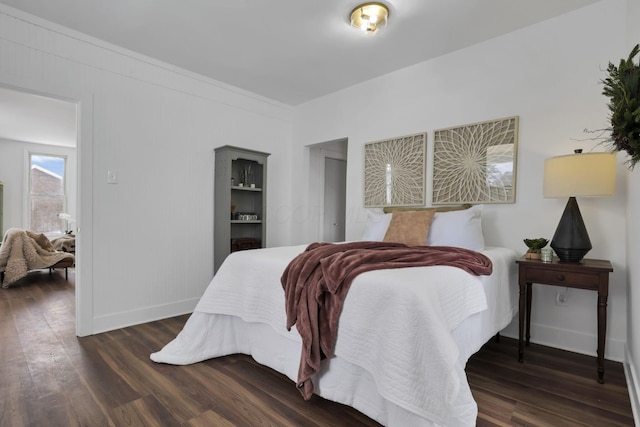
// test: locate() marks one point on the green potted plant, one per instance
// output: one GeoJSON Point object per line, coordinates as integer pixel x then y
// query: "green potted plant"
{"type": "Point", "coordinates": [535, 245]}
{"type": "Point", "coordinates": [622, 87]}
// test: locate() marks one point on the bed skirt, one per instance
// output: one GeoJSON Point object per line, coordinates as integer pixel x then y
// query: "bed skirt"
{"type": "Point", "coordinates": [215, 335]}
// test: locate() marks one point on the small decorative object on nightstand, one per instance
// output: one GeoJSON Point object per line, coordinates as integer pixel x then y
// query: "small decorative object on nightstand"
{"type": "Point", "coordinates": [535, 247]}
{"type": "Point", "coordinates": [590, 274]}
{"type": "Point", "coordinates": [546, 255]}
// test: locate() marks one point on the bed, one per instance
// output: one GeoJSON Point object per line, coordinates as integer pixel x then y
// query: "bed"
{"type": "Point", "coordinates": [404, 334]}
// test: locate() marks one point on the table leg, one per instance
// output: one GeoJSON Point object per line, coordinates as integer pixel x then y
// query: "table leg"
{"type": "Point", "coordinates": [529, 298]}
{"type": "Point", "coordinates": [521, 310]}
{"type": "Point", "coordinates": [602, 330]}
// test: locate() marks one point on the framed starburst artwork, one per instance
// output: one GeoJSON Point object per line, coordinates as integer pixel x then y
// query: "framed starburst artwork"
{"type": "Point", "coordinates": [394, 171]}
{"type": "Point", "coordinates": [476, 163]}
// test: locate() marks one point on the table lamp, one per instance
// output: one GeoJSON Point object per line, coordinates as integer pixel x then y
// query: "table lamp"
{"type": "Point", "coordinates": [577, 175]}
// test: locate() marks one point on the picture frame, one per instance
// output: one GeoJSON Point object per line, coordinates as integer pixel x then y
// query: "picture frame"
{"type": "Point", "coordinates": [395, 171]}
{"type": "Point", "coordinates": [475, 163]}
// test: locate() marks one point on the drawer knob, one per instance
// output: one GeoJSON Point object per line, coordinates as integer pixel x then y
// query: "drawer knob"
{"type": "Point", "coordinates": [560, 276]}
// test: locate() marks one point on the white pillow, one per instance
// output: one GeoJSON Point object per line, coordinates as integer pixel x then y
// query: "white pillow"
{"type": "Point", "coordinates": [458, 228]}
{"type": "Point", "coordinates": [376, 226]}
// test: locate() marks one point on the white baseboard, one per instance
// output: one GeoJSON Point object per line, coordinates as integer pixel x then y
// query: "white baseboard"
{"type": "Point", "coordinates": [124, 319]}
{"type": "Point", "coordinates": [569, 340]}
{"type": "Point", "coordinates": [633, 385]}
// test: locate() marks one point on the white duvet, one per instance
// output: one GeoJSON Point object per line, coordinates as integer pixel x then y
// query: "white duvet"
{"type": "Point", "coordinates": [400, 327]}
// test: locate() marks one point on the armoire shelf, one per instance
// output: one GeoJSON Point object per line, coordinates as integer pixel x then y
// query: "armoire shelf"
{"type": "Point", "coordinates": [239, 191]}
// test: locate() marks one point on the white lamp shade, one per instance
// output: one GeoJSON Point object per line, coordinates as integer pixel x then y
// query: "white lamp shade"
{"type": "Point", "coordinates": [580, 175]}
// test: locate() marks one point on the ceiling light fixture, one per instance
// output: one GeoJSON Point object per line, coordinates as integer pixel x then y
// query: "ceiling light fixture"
{"type": "Point", "coordinates": [369, 17]}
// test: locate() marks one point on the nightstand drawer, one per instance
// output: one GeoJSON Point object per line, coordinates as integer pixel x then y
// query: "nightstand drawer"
{"type": "Point", "coordinates": [562, 278]}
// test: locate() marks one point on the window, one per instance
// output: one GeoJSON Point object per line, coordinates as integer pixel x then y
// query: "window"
{"type": "Point", "coordinates": [47, 193]}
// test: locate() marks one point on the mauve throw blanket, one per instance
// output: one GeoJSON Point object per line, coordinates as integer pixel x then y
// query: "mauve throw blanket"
{"type": "Point", "coordinates": [316, 283]}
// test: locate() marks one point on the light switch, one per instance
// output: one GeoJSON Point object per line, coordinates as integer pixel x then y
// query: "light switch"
{"type": "Point", "coordinates": [112, 177]}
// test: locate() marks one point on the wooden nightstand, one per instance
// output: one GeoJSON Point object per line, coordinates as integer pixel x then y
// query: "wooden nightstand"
{"type": "Point", "coordinates": [591, 274]}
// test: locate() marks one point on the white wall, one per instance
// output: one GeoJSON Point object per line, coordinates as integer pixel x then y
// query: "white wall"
{"type": "Point", "coordinates": [145, 248]}
{"type": "Point", "coordinates": [549, 75]}
{"type": "Point", "coordinates": [633, 243]}
{"type": "Point", "coordinates": [633, 318]}
{"type": "Point", "coordinates": [13, 161]}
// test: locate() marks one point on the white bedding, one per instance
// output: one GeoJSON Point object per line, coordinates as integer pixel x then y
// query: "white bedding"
{"type": "Point", "coordinates": [399, 356]}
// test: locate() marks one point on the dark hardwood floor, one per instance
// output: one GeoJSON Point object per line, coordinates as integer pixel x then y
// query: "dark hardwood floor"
{"type": "Point", "coordinates": [551, 388]}
{"type": "Point", "coordinates": [49, 377]}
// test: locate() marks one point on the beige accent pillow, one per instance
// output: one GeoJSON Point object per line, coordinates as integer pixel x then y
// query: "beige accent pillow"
{"type": "Point", "coordinates": [409, 227]}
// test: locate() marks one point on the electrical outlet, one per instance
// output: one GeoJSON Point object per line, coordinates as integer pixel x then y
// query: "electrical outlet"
{"type": "Point", "coordinates": [562, 299]}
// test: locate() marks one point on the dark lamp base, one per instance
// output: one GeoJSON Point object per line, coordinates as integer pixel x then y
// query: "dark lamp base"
{"type": "Point", "coordinates": [571, 240]}
{"type": "Point", "coordinates": [569, 255]}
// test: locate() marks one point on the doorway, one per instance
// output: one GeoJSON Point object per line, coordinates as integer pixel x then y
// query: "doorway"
{"type": "Point", "coordinates": [35, 129]}
{"type": "Point", "coordinates": [328, 183]}
{"type": "Point", "coordinates": [335, 193]}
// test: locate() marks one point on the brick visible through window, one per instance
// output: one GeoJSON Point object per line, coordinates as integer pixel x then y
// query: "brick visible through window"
{"type": "Point", "coordinates": [47, 193]}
